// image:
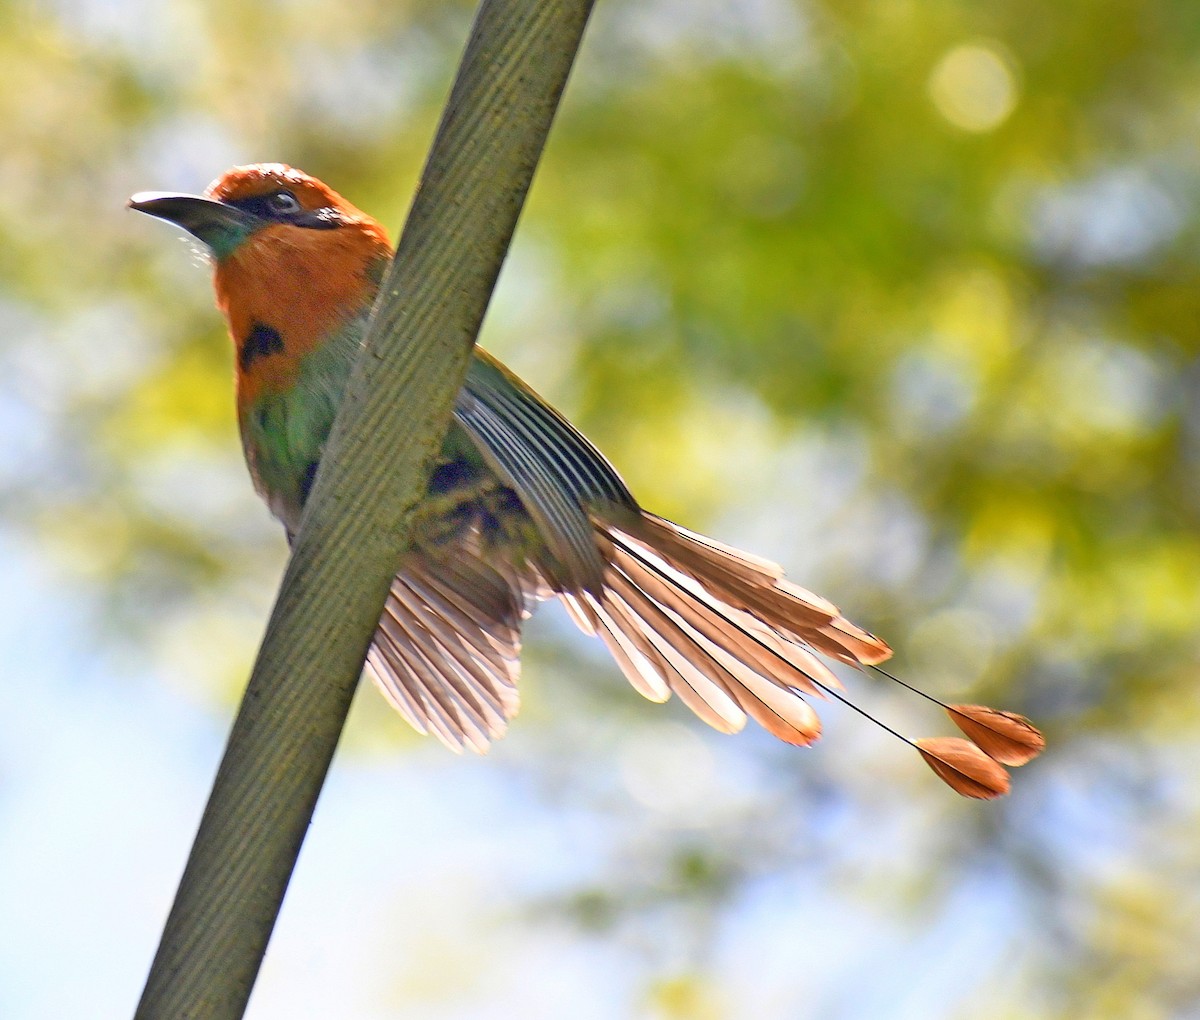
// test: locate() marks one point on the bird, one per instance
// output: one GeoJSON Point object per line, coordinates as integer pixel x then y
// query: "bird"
{"type": "Point", "coordinates": [520, 508]}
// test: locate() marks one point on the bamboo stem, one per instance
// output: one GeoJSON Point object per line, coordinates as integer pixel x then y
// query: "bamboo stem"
{"type": "Point", "coordinates": [374, 471]}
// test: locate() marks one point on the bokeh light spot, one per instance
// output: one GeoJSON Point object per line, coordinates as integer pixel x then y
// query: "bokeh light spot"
{"type": "Point", "coordinates": [973, 86]}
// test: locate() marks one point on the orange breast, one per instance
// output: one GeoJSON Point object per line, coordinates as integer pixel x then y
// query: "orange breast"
{"type": "Point", "coordinates": [285, 290]}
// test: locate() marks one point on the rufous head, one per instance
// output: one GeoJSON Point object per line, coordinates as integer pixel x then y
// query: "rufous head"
{"type": "Point", "coordinates": [248, 200]}
{"type": "Point", "coordinates": [294, 262]}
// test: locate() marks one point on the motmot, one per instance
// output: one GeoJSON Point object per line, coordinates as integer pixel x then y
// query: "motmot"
{"type": "Point", "coordinates": [519, 508]}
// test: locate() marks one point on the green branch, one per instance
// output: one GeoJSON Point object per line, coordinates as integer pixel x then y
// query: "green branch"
{"type": "Point", "coordinates": [373, 474]}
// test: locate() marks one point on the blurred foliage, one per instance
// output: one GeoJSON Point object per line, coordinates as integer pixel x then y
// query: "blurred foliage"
{"type": "Point", "coordinates": [902, 294]}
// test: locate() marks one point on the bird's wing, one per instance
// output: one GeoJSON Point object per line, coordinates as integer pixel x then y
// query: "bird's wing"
{"type": "Point", "coordinates": [447, 650]}
{"type": "Point", "coordinates": [556, 473]}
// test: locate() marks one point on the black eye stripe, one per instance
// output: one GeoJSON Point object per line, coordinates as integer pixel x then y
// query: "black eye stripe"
{"type": "Point", "coordinates": [316, 219]}
{"type": "Point", "coordinates": [259, 205]}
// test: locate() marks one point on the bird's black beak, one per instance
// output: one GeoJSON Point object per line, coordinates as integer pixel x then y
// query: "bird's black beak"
{"type": "Point", "coordinates": [222, 227]}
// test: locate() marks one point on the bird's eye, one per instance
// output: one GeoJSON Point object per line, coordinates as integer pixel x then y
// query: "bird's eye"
{"type": "Point", "coordinates": [283, 202]}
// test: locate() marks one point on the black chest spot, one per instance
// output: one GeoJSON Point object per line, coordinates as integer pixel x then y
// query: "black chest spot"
{"type": "Point", "coordinates": [260, 342]}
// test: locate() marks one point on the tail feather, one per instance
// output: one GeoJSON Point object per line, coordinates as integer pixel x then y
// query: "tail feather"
{"type": "Point", "coordinates": [720, 624]}
{"type": "Point", "coordinates": [762, 682]}
{"type": "Point", "coordinates": [638, 661]}
{"type": "Point", "coordinates": [581, 613]}
{"type": "Point", "coordinates": [721, 629]}
{"type": "Point", "coordinates": [708, 553]}
{"type": "Point", "coordinates": [698, 680]}
{"type": "Point", "coordinates": [758, 587]}
{"type": "Point", "coordinates": [778, 710]}
{"type": "Point", "coordinates": [847, 643]}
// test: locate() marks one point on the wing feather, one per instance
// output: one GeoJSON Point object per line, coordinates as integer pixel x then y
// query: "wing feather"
{"type": "Point", "coordinates": [447, 649]}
